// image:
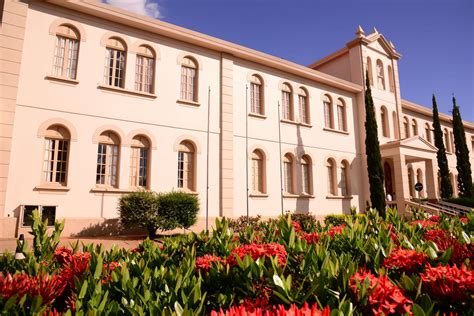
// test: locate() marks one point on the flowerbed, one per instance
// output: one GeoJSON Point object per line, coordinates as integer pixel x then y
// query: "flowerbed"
{"type": "Point", "coordinates": [365, 266]}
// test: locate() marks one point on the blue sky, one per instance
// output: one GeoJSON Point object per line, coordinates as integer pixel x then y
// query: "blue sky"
{"type": "Point", "coordinates": [435, 37]}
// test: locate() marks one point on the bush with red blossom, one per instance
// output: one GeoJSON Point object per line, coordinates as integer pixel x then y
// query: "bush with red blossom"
{"type": "Point", "coordinates": [424, 223]}
{"type": "Point", "coordinates": [444, 240]}
{"type": "Point", "coordinates": [311, 238]}
{"type": "Point", "coordinates": [403, 260]}
{"type": "Point", "coordinates": [384, 296]}
{"type": "Point", "coordinates": [296, 226]}
{"type": "Point", "coordinates": [205, 262]}
{"type": "Point", "coordinates": [336, 230]}
{"type": "Point", "coordinates": [256, 251]}
{"type": "Point", "coordinates": [275, 310]}
{"type": "Point", "coordinates": [107, 269]}
{"type": "Point", "coordinates": [449, 284]}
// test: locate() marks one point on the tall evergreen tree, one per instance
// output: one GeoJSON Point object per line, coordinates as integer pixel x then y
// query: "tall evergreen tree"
{"type": "Point", "coordinates": [462, 154]}
{"type": "Point", "coordinates": [372, 149]}
{"type": "Point", "coordinates": [446, 188]}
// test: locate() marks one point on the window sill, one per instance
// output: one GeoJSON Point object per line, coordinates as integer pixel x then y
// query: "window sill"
{"type": "Point", "coordinates": [289, 122]}
{"type": "Point", "coordinates": [257, 115]}
{"type": "Point", "coordinates": [258, 195]}
{"type": "Point", "coordinates": [61, 79]}
{"type": "Point", "coordinates": [306, 125]}
{"type": "Point", "coordinates": [110, 190]}
{"type": "Point", "coordinates": [297, 196]}
{"type": "Point", "coordinates": [339, 197]}
{"type": "Point", "coordinates": [52, 187]}
{"type": "Point", "coordinates": [335, 131]}
{"type": "Point", "coordinates": [188, 102]}
{"type": "Point", "coordinates": [126, 91]}
{"type": "Point", "coordinates": [307, 196]}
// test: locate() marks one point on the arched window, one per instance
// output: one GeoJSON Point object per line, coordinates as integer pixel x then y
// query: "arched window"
{"type": "Point", "coordinates": [258, 172]}
{"type": "Point", "coordinates": [327, 104]}
{"type": "Point", "coordinates": [108, 159]}
{"type": "Point", "coordinates": [186, 166]}
{"type": "Point", "coordinates": [391, 81]}
{"type": "Point", "coordinates": [66, 52]}
{"type": "Point", "coordinates": [380, 75]}
{"type": "Point", "coordinates": [384, 121]}
{"type": "Point", "coordinates": [406, 127]}
{"type": "Point", "coordinates": [451, 140]}
{"type": "Point", "coordinates": [115, 60]}
{"type": "Point", "coordinates": [288, 185]}
{"type": "Point", "coordinates": [428, 132]}
{"type": "Point", "coordinates": [287, 102]}
{"type": "Point", "coordinates": [189, 79]}
{"type": "Point", "coordinates": [139, 161]}
{"type": "Point", "coordinates": [145, 69]}
{"type": "Point", "coordinates": [303, 106]}
{"type": "Point", "coordinates": [395, 125]}
{"type": "Point", "coordinates": [331, 176]}
{"type": "Point", "coordinates": [345, 178]}
{"type": "Point", "coordinates": [341, 115]}
{"type": "Point", "coordinates": [414, 125]}
{"type": "Point", "coordinates": [306, 175]}
{"type": "Point", "coordinates": [446, 140]}
{"type": "Point", "coordinates": [256, 95]}
{"type": "Point", "coordinates": [56, 153]}
{"type": "Point", "coordinates": [369, 71]}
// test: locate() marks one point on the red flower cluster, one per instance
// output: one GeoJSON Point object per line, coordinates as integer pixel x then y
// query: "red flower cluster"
{"type": "Point", "coordinates": [448, 284]}
{"type": "Point", "coordinates": [205, 262]}
{"type": "Point", "coordinates": [107, 269]}
{"type": "Point", "coordinates": [408, 261]}
{"type": "Point", "coordinates": [392, 233]}
{"type": "Point", "coordinates": [384, 297]}
{"type": "Point", "coordinates": [435, 218]}
{"type": "Point", "coordinates": [443, 240]}
{"type": "Point", "coordinates": [257, 251]}
{"type": "Point", "coordinates": [336, 230]}
{"type": "Point", "coordinates": [464, 220]}
{"type": "Point", "coordinates": [276, 310]}
{"type": "Point", "coordinates": [425, 223]}
{"type": "Point", "coordinates": [297, 227]}
{"type": "Point", "coordinates": [311, 238]}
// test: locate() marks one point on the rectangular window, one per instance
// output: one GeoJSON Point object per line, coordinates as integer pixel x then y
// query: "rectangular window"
{"type": "Point", "coordinates": [305, 178]}
{"type": "Point", "coordinates": [144, 74]}
{"type": "Point", "coordinates": [65, 57]}
{"type": "Point", "coordinates": [286, 105]}
{"type": "Point", "coordinates": [138, 167]}
{"type": "Point", "coordinates": [303, 114]}
{"type": "Point", "coordinates": [185, 170]}
{"type": "Point", "coordinates": [327, 115]}
{"type": "Point", "coordinates": [341, 119]}
{"type": "Point", "coordinates": [257, 181]}
{"type": "Point", "coordinates": [55, 161]}
{"type": "Point", "coordinates": [255, 100]}
{"type": "Point", "coordinates": [343, 182]}
{"type": "Point", "coordinates": [107, 161]}
{"type": "Point", "coordinates": [46, 212]}
{"type": "Point", "coordinates": [114, 68]}
{"type": "Point", "coordinates": [330, 182]}
{"type": "Point", "coordinates": [188, 83]}
{"type": "Point", "coordinates": [287, 174]}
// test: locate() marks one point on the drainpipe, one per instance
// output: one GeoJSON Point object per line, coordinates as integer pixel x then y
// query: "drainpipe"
{"type": "Point", "coordinates": [279, 154]}
{"type": "Point", "coordinates": [207, 176]}
{"type": "Point", "coordinates": [247, 149]}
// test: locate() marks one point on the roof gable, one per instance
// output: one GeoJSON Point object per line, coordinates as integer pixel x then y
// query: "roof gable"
{"type": "Point", "coordinates": [419, 143]}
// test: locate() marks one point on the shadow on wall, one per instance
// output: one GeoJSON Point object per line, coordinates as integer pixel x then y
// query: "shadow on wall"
{"type": "Point", "coordinates": [108, 227]}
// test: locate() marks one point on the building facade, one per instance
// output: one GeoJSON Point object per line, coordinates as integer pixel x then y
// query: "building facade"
{"type": "Point", "coordinates": [97, 102]}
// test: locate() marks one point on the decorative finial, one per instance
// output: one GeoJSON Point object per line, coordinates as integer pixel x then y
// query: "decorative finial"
{"type": "Point", "coordinates": [360, 31]}
{"type": "Point", "coordinates": [375, 30]}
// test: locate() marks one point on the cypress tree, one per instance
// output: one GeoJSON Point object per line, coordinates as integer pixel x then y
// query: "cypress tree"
{"type": "Point", "coordinates": [462, 154]}
{"type": "Point", "coordinates": [446, 188]}
{"type": "Point", "coordinates": [372, 149]}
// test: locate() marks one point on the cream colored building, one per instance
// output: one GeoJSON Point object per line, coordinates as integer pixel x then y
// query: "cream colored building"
{"type": "Point", "coordinates": [97, 102]}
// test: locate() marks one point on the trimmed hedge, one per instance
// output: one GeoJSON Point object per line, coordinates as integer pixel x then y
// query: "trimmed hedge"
{"type": "Point", "coordinates": [465, 201]}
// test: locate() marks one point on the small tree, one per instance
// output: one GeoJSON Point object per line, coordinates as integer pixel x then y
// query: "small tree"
{"type": "Point", "coordinates": [179, 209]}
{"type": "Point", "coordinates": [372, 149]}
{"type": "Point", "coordinates": [446, 188]}
{"type": "Point", "coordinates": [140, 209]}
{"type": "Point", "coordinates": [462, 154]}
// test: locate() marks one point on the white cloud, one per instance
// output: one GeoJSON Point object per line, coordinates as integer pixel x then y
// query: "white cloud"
{"type": "Point", "coordinates": [144, 7]}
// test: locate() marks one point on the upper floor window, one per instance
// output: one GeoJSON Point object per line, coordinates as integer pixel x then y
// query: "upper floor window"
{"type": "Point", "coordinates": [287, 102]}
{"type": "Point", "coordinates": [306, 174]}
{"type": "Point", "coordinates": [66, 52]}
{"type": "Point", "coordinates": [258, 172]}
{"type": "Point", "coordinates": [328, 120]}
{"type": "Point", "coordinates": [369, 71]}
{"type": "Point", "coordinates": [144, 69]}
{"type": "Point", "coordinates": [414, 125]}
{"type": "Point", "coordinates": [256, 95]}
{"type": "Point", "coordinates": [380, 75]}
{"type": "Point", "coordinates": [331, 176]}
{"type": "Point", "coordinates": [116, 51]}
{"type": "Point", "coordinates": [186, 166]}
{"type": "Point", "coordinates": [108, 159]}
{"type": "Point", "coordinates": [406, 127]}
{"type": "Point", "coordinates": [303, 106]}
{"type": "Point", "coordinates": [428, 132]}
{"type": "Point", "coordinates": [384, 121]}
{"type": "Point", "coordinates": [189, 79]}
{"type": "Point", "coordinates": [341, 115]}
{"type": "Point", "coordinates": [446, 140]}
{"type": "Point", "coordinates": [288, 162]}
{"type": "Point", "coordinates": [391, 81]}
{"type": "Point", "coordinates": [395, 124]}
{"type": "Point", "coordinates": [56, 150]}
{"type": "Point", "coordinates": [139, 162]}
{"type": "Point", "coordinates": [344, 178]}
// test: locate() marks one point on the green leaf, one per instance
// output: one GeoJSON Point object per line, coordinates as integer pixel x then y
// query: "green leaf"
{"type": "Point", "coordinates": [178, 309]}
{"type": "Point", "coordinates": [446, 256]}
{"type": "Point", "coordinates": [83, 291]}
{"type": "Point", "coordinates": [98, 268]}
{"type": "Point", "coordinates": [417, 310]}
{"type": "Point", "coordinates": [278, 282]}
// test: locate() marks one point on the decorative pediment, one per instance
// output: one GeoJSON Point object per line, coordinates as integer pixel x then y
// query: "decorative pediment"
{"type": "Point", "coordinates": [419, 143]}
{"type": "Point", "coordinates": [380, 43]}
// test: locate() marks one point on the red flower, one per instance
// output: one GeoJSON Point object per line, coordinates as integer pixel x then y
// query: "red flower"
{"type": "Point", "coordinates": [407, 261]}
{"type": "Point", "coordinates": [464, 220]}
{"type": "Point", "coordinates": [107, 269]}
{"type": "Point", "coordinates": [311, 238]}
{"type": "Point", "coordinates": [276, 310]}
{"type": "Point", "coordinates": [435, 218]}
{"type": "Point", "coordinates": [336, 230]}
{"type": "Point", "coordinates": [448, 284]}
{"type": "Point", "coordinates": [443, 240]}
{"type": "Point", "coordinates": [392, 233]}
{"type": "Point", "coordinates": [205, 262]}
{"type": "Point", "coordinates": [63, 255]}
{"type": "Point", "coordinates": [296, 226]}
{"type": "Point", "coordinates": [424, 223]}
{"type": "Point", "coordinates": [49, 287]}
{"type": "Point", "coordinates": [384, 296]}
{"type": "Point", "coordinates": [11, 285]}
{"type": "Point", "coordinates": [257, 251]}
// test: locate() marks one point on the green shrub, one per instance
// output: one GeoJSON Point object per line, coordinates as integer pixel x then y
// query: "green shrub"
{"type": "Point", "coordinates": [241, 223]}
{"type": "Point", "coordinates": [308, 222]}
{"type": "Point", "coordinates": [465, 201]}
{"type": "Point", "coordinates": [178, 209]}
{"type": "Point", "coordinates": [335, 219]}
{"type": "Point", "coordinates": [140, 209]}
